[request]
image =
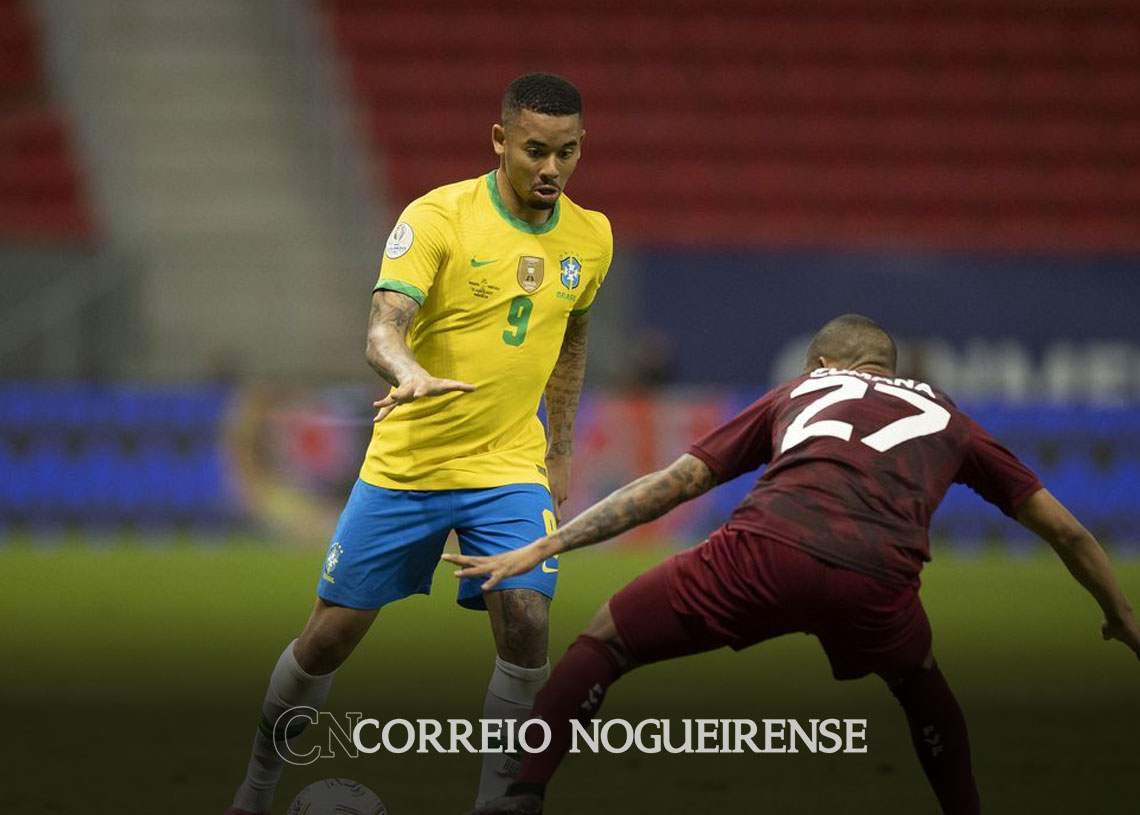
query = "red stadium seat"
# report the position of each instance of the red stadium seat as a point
(41, 193)
(1006, 123)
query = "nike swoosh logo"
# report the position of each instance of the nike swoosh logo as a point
(478, 263)
(546, 569)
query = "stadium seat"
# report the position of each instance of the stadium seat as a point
(99, 464)
(970, 123)
(42, 196)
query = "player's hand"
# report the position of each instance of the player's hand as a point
(500, 567)
(416, 387)
(1126, 629)
(558, 474)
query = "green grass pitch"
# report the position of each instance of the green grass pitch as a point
(132, 678)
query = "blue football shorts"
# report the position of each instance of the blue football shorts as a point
(387, 543)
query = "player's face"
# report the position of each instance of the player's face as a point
(538, 153)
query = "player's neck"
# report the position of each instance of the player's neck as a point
(516, 206)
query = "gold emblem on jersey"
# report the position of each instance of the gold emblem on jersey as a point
(530, 273)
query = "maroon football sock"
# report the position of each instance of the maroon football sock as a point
(574, 691)
(938, 731)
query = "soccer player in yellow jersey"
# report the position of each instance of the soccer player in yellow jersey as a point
(481, 308)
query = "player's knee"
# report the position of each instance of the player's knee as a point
(901, 681)
(532, 616)
(330, 635)
(603, 630)
(520, 621)
(318, 653)
(323, 649)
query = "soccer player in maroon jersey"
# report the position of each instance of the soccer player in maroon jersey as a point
(830, 541)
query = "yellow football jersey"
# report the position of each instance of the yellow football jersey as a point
(495, 294)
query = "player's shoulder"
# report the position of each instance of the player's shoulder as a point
(593, 221)
(448, 200)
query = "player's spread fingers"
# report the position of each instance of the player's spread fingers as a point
(470, 566)
(458, 560)
(471, 571)
(455, 385)
(384, 411)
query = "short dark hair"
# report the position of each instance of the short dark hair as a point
(852, 339)
(541, 93)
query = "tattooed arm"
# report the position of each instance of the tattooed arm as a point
(562, 392)
(388, 354)
(638, 502)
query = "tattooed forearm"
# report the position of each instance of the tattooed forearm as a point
(387, 350)
(638, 502)
(565, 385)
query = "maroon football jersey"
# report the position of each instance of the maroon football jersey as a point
(857, 465)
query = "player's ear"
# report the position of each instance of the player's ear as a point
(498, 139)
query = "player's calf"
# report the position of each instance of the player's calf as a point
(519, 624)
(938, 733)
(297, 681)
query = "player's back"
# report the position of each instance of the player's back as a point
(857, 465)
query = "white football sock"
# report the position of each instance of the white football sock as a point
(510, 695)
(289, 686)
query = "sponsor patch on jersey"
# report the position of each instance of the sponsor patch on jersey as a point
(530, 272)
(400, 241)
(571, 272)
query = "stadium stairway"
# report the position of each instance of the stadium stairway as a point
(203, 143)
(984, 123)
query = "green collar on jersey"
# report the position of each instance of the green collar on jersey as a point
(519, 223)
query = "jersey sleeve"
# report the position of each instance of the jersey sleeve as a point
(741, 444)
(417, 249)
(995, 473)
(607, 239)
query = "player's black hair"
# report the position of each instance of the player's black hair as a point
(541, 93)
(851, 340)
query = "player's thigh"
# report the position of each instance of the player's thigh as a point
(876, 628)
(647, 621)
(503, 519)
(386, 546)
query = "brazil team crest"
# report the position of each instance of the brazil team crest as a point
(335, 551)
(530, 273)
(571, 272)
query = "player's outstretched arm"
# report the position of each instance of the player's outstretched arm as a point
(562, 392)
(1086, 560)
(638, 502)
(388, 354)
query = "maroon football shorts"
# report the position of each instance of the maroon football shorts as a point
(739, 588)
